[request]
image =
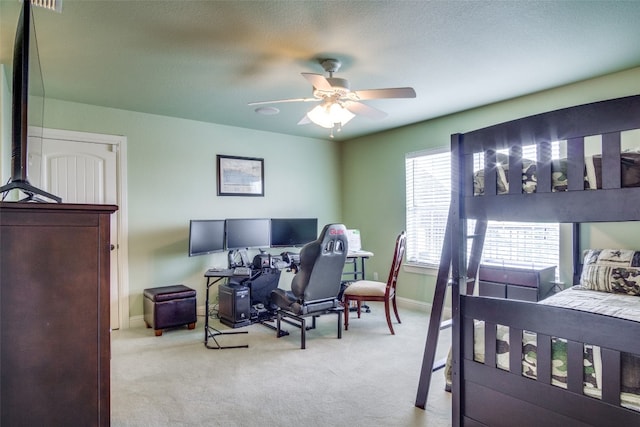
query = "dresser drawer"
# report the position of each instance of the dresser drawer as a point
(515, 276)
(490, 289)
(522, 293)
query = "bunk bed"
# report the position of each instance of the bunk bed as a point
(493, 387)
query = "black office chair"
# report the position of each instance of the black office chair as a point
(316, 285)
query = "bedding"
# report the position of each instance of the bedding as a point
(578, 298)
(611, 270)
(630, 174)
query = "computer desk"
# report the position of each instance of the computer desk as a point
(355, 273)
(352, 258)
(214, 276)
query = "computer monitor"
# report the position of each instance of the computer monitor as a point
(248, 233)
(291, 232)
(206, 236)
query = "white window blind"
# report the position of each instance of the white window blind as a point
(428, 188)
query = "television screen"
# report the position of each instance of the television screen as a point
(27, 82)
(290, 232)
(248, 233)
(206, 236)
(27, 109)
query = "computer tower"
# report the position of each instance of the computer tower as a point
(234, 305)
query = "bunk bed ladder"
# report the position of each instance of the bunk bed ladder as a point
(429, 364)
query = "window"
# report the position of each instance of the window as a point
(428, 194)
(428, 188)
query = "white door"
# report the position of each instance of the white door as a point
(85, 172)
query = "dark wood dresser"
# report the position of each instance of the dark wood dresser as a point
(54, 314)
(526, 283)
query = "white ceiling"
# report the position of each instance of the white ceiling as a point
(205, 60)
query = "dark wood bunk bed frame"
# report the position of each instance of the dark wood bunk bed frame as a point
(482, 393)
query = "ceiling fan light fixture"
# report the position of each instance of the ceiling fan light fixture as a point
(339, 114)
(320, 116)
(55, 5)
(329, 115)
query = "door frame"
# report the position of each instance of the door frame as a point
(120, 144)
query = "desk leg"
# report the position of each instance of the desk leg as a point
(364, 306)
(213, 333)
(206, 313)
(358, 274)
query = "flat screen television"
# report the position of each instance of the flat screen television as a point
(245, 233)
(292, 232)
(27, 105)
(206, 236)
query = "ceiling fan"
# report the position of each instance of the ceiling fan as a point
(338, 103)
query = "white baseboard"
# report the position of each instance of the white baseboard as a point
(413, 304)
(137, 322)
(421, 306)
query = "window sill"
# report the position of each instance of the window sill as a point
(428, 270)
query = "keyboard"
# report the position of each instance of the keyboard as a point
(219, 271)
(242, 271)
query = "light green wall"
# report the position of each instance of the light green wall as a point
(172, 179)
(5, 126)
(373, 196)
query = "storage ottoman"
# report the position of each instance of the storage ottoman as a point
(169, 306)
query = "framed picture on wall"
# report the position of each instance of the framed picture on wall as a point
(240, 176)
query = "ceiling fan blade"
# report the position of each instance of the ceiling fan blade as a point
(396, 92)
(317, 80)
(364, 110)
(284, 100)
(304, 120)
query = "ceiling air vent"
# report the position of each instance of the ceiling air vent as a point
(49, 4)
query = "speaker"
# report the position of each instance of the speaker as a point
(234, 305)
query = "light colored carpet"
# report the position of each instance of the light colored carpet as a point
(368, 378)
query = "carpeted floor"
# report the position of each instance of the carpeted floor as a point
(368, 378)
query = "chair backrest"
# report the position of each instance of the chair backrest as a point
(321, 265)
(398, 255)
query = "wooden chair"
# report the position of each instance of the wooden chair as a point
(369, 290)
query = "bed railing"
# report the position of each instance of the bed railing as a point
(607, 118)
(486, 379)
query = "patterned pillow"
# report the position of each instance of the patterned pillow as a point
(611, 270)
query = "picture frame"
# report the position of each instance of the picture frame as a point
(240, 176)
